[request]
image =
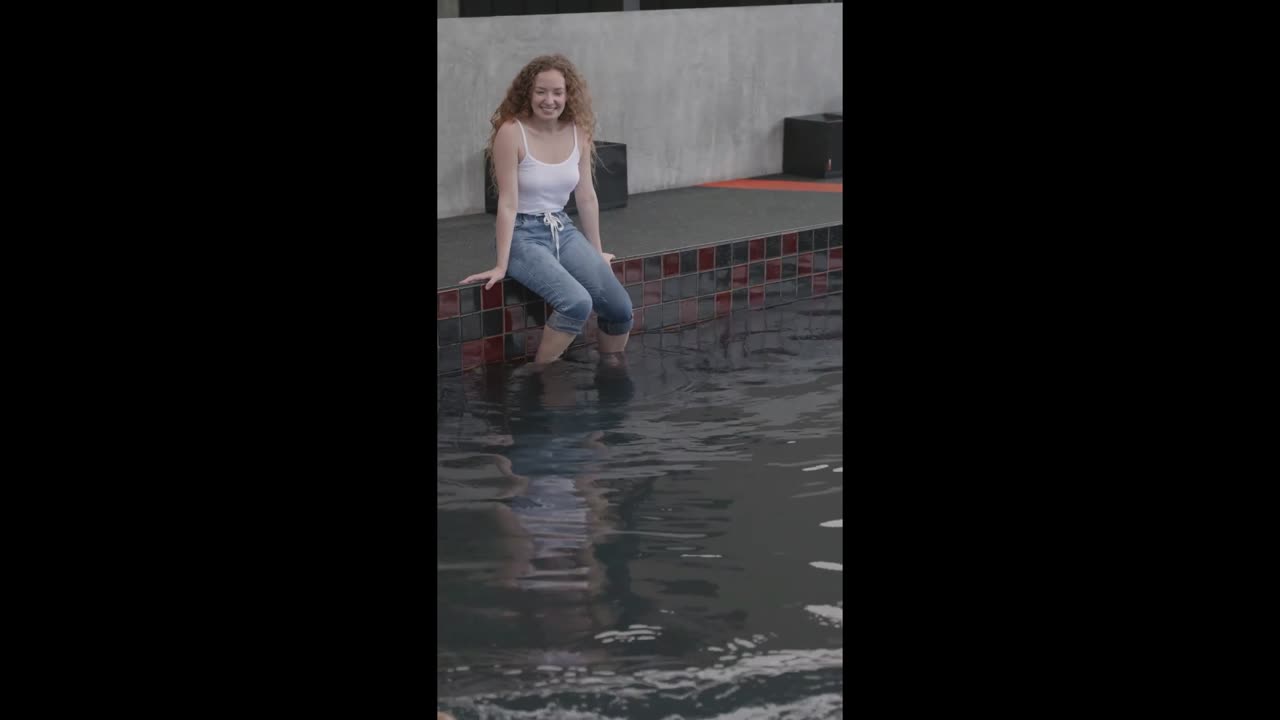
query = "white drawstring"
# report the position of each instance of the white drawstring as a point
(549, 219)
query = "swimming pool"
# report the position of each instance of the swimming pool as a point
(658, 541)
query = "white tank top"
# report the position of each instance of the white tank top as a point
(543, 187)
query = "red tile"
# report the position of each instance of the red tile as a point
(617, 271)
(447, 304)
(706, 259)
(652, 293)
(805, 266)
(670, 265)
(493, 349)
(820, 284)
(755, 250)
(637, 320)
(789, 243)
(688, 311)
(739, 276)
(773, 270)
(514, 320)
(756, 297)
(532, 339)
(491, 298)
(835, 259)
(634, 271)
(723, 303)
(472, 354)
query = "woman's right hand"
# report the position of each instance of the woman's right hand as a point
(493, 276)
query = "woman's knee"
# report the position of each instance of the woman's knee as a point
(617, 310)
(574, 303)
(615, 313)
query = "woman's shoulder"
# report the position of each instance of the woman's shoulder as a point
(508, 133)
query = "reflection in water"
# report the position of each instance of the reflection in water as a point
(643, 541)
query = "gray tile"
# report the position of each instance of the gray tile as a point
(772, 295)
(706, 307)
(706, 282)
(449, 359)
(688, 286)
(688, 261)
(671, 289)
(653, 267)
(468, 299)
(449, 332)
(492, 322)
(724, 279)
(804, 287)
(724, 255)
(670, 314)
(471, 328)
(513, 293)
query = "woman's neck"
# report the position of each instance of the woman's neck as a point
(546, 126)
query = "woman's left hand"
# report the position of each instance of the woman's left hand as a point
(608, 257)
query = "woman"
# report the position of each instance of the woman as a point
(541, 149)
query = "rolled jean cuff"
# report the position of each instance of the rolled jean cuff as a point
(563, 323)
(614, 328)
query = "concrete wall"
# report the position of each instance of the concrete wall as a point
(697, 95)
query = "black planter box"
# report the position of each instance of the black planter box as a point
(813, 145)
(611, 180)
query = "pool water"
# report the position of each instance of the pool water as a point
(659, 541)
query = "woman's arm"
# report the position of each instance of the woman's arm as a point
(585, 194)
(505, 159)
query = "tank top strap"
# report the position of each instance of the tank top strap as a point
(525, 138)
(575, 137)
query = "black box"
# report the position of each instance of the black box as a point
(611, 180)
(813, 145)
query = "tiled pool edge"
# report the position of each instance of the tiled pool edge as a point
(669, 289)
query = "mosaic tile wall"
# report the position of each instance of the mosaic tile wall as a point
(668, 290)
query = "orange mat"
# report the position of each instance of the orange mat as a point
(778, 185)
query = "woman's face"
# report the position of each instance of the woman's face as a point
(548, 95)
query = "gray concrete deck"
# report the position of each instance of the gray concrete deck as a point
(655, 222)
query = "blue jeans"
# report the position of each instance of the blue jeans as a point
(572, 278)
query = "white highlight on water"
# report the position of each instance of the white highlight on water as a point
(815, 467)
(839, 469)
(834, 523)
(830, 612)
(702, 556)
(821, 565)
